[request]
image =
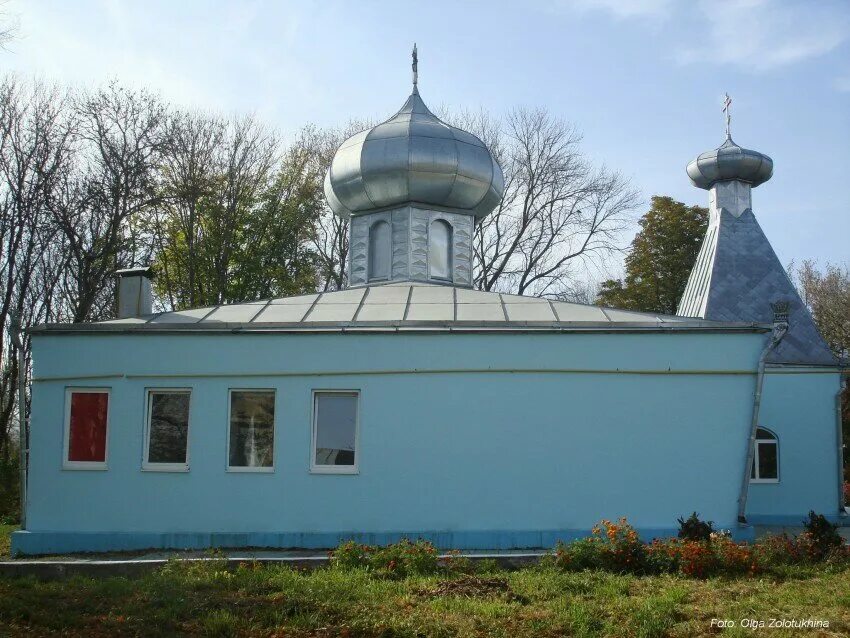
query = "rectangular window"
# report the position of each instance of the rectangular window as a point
(167, 439)
(251, 430)
(86, 423)
(335, 417)
(768, 465)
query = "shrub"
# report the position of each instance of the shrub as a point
(397, 560)
(585, 553)
(457, 564)
(696, 559)
(662, 556)
(10, 501)
(701, 559)
(774, 550)
(694, 529)
(822, 536)
(613, 546)
(847, 493)
(210, 572)
(350, 555)
(734, 558)
(838, 557)
(621, 548)
(405, 558)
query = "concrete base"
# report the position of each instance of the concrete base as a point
(62, 568)
(793, 520)
(34, 543)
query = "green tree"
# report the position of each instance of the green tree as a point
(661, 258)
(238, 215)
(827, 294)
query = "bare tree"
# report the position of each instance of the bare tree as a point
(827, 294)
(8, 26)
(331, 238)
(119, 135)
(558, 211)
(331, 242)
(35, 152)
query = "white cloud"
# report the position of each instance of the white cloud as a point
(764, 34)
(625, 8)
(755, 35)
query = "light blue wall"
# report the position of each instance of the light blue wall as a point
(801, 410)
(467, 453)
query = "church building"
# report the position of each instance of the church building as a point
(411, 405)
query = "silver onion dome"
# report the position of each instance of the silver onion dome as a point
(730, 161)
(413, 157)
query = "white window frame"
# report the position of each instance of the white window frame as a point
(84, 465)
(389, 252)
(164, 467)
(242, 468)
(335, 469)
(450, 247)
(774, 441)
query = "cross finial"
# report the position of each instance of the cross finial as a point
(415, 68)
(727, 108)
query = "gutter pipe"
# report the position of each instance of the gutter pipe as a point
(779, 330)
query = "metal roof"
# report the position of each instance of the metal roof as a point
(413, 157)
(730, 161)
(737, 277)
(402, 306)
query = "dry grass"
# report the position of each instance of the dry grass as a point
(205, 599)
(5, 538)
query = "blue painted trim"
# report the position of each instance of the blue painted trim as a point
(27, 542)
(792, 520)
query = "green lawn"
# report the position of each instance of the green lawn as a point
(5, 537)
(207, 600)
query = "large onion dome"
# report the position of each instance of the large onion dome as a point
(727, 162)
(413, 157)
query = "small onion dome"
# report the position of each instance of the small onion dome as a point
(413, 157)
(730, 161)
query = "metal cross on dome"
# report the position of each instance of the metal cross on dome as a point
(415, 67)
(727, 108)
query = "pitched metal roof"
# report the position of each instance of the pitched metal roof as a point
(402, 306)
(737, 276)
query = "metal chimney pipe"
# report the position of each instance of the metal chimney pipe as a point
(134, 292)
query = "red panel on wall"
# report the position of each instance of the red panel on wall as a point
(87, 440)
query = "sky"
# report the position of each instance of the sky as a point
(642, 79)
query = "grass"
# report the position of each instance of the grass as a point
(205, 599)
(5, 539)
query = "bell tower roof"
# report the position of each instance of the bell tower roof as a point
(737, 275)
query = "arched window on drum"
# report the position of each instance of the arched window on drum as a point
(440, 251)
(379, 251)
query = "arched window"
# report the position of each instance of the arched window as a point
(379, 251)
(766, 459)
(440, 251)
